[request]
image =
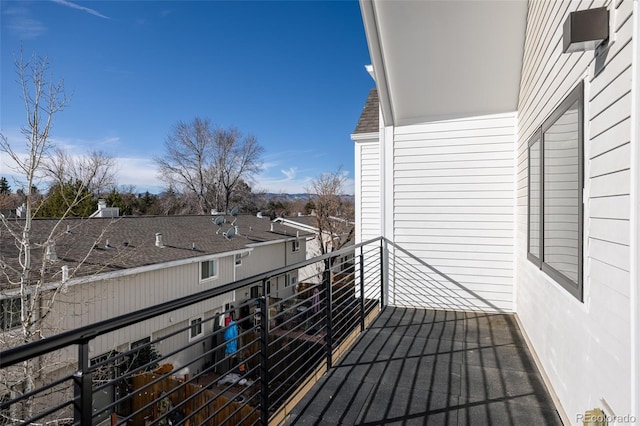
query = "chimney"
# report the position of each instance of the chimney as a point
(271, 226)
(159, 242)
(65, 273)
(102, 204)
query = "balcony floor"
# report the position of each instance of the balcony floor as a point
(416, 366)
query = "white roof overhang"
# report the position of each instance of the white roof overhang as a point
(437, 60)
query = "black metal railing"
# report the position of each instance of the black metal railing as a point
(243, 363)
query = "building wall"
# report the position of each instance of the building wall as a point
(583, 346)
(92, 302)
(367, 196)
(101, 300)
(266, 257)
(453, 195)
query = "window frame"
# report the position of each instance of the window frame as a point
(295, 245)
(10, 317)
(199, 320)
(537, 260)
(211, 277)
(576, 289)
(237, 259)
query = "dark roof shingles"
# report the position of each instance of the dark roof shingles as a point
(369, 119)
(131, 240)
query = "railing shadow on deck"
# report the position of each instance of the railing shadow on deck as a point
(462, 360)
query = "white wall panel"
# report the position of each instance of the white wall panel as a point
(581, 345)
(453, 209)
(368, 198)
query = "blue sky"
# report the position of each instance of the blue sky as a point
(291, 73)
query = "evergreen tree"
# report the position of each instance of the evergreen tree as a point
(68, 199)
(4, 186)
(115, 199)
(147, 204)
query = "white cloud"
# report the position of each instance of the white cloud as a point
(22, 25)
(291, 173)
(82, 8)
(139, 172)
(277, 185)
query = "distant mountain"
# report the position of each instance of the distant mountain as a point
(292, 197)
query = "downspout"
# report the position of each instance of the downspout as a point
(634, 291)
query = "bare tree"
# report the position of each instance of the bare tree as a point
(208, 163)
(26, 281)
(237, 160)
(188, 163)
(334, 212)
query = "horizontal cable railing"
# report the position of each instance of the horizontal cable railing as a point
(243, 363)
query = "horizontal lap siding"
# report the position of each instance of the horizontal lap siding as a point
(453, 209)
(369, 190)
(93, 302)
(572, 338)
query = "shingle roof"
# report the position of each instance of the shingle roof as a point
(369, 119)
(131, 240)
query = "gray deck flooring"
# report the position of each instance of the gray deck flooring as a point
(426, 367)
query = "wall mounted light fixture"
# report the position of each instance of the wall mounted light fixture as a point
(585, 30)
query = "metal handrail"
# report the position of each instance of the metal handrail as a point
(83, 334)
(294, 336)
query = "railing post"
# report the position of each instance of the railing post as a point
(381, 274)
(264, 355)
(328, 311)
(361, 289)
(83, 401)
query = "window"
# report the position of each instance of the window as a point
(144, 356)
(289, 280)
(9, 313)
(256, 291)
(195, 330)
(238, 259)
(555, 214)
(295, 245)
(208, 269)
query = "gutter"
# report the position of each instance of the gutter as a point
(130, 271)
(365, 136)
(372, 32)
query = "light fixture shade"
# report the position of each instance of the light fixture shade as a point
(585, 29)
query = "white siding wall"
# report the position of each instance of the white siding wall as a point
(583, 347)
(266, 257)
(453, 195)
(368, 191)
(88, 303)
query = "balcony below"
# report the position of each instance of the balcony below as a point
(417, 366)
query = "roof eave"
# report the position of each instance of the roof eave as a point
(377, 59)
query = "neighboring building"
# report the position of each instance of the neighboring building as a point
(307, 225)
(513, 169)
(136, 262)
